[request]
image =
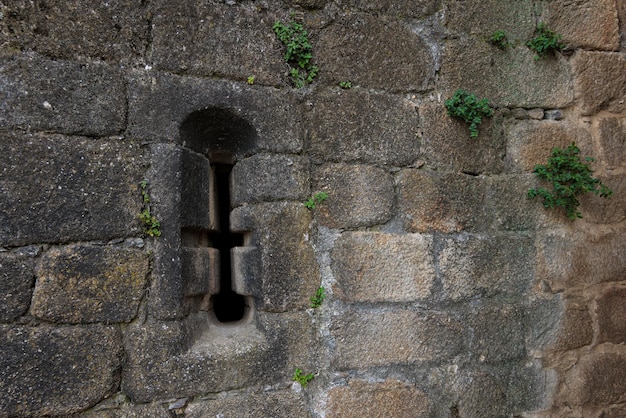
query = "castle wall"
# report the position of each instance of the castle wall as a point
(448, 292)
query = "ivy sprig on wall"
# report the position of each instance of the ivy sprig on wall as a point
(299, 52)
(570, 177)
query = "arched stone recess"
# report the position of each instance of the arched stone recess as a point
(233, 269)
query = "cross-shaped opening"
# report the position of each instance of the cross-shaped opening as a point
(228, 306)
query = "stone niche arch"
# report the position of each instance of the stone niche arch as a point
(182, 347)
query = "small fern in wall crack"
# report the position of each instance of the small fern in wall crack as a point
(570, 177)
(469, 108)
(299, 52)
(152, 226)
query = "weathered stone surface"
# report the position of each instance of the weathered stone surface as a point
(366, 339)
(598, 81)
(80, 284)
(400, 8)
(198, 357)
(498, 333)
(508, 207)
(114, 30)
(473, 265)
(598, 210)
(447, 145)
(198, 203)
(339, 132)
(390, 398)
(17, 279)
(482, 395)
(588, 24)
(266, 178)
(364, 50)
(286, 403)
(571, 260)
(599, 378)
(510, 78)
(575, 328)
(159, 104)
(482, 18)
(287, 272)
(610, 311)
(57, 189)
(432, 201)
(139, 411)
(57, 371)
(531, 142)
(358, 195)
(612, 136)
(621, 13)
(66, 97)
(361, 265)
(233, 40)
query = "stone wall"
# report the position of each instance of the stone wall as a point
(448, 292)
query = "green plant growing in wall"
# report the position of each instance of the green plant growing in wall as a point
(316, 301)
(151, 224)
(299, 52)
(250, 80)
(302, 378)
(570, 177)
(499, 39)
(315, 200)
(468, 107)
(545, 42)
(346, 85)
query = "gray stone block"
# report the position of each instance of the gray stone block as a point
(266, 178)
(482, 18)
(197, 195)
(200, 269)
(233, 40)
(59, 189)
(368, 339)
(159, 104)
(475, 265)
(365, 50)
(598, 81)
(57, 371)
(82, 284)
(361, 265)
(339, 132)
(400, 8)
(358, 195)
(498, 333)
(17, 279)
(66, 97)
(266, 404)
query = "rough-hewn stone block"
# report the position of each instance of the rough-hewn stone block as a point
(57, 371)
(432, 201)
(358, 195)
(498, 333)
(473, 265)
(339, 132)
(114, 30)
(59, 189)
(575, 329)
(509, 78)
(364, 50)
(400, 8)
(233, 40)
(130, 411)
(482, 18)
(612, 136)
(66, 97)
(610, 310)
(599, 82)
(197, 195)
(447, 145)
(598, 210)
(531, 142)
(390, 398)
(571, 260)
(481, 395)
(598, 378)
(364, 272)
(159, 104)
(588, 24)
(287, 266)
(366, 339)
(286, 403)
(90, 284)
(17, 279)
(266, 178)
